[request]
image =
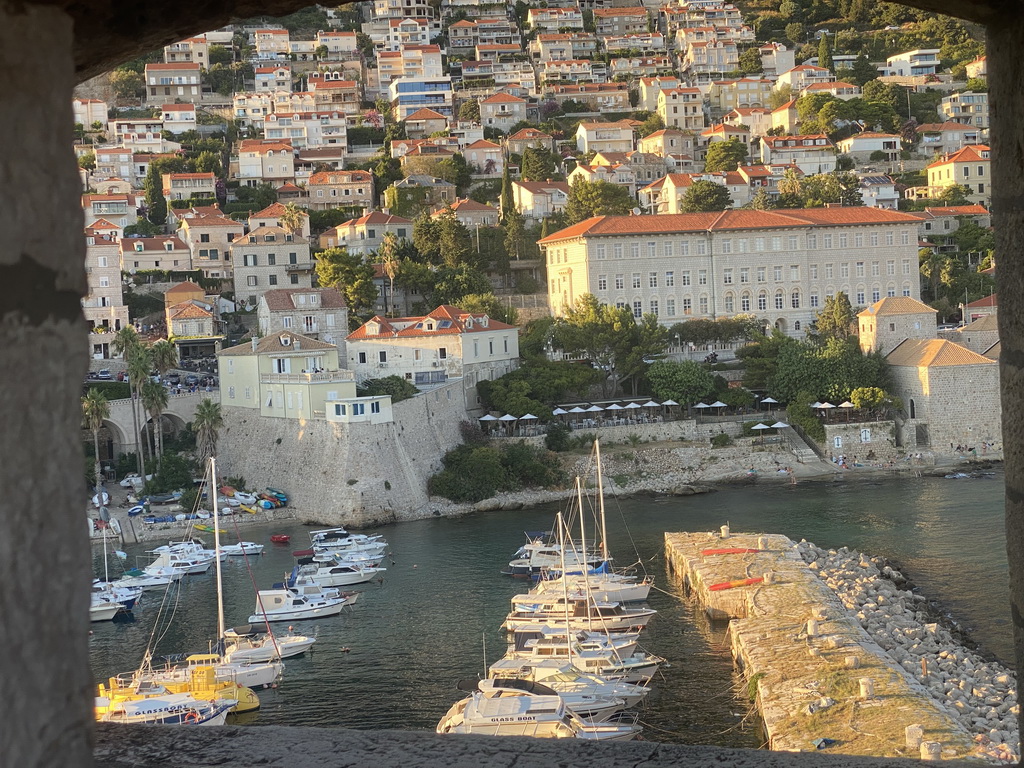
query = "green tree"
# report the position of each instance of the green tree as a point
(538, 165)
(505, 202)
(139, 366)
(515, 235)
(725, 155)
(87, 161)
(396, 386)
(836, 319)
(825, 52)
(126, 343)
(955, 194)
(686, 382)
(390, 261)
(453, 283)
(863, 71)
(972, 238)
(794, 32)
(126, 83)
(455, 170)
(762, 201)
(292, 218)
(596, 198)
(154, 400)
(470, 111)
(454, 243)
(750, 59)
(601, 333)
(143, 227)
(337, 268)
(220, 54)
(652, 124)
(206, 424)
(704, 196)
(164, 356)
(95, 410)
(208, 162)
(490, 305)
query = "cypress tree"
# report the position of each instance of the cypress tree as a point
(825, 53)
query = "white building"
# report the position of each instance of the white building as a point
(777, 265)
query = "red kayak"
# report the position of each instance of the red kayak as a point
(736, 583)
(730, 551)
(280, 538)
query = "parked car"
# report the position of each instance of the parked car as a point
(105, 375)
(191, 379)
(173, 378)
(134, 480)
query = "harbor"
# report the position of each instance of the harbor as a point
(837, 655)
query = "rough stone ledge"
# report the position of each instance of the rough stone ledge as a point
(236, 747)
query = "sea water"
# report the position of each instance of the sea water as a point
(392, 661)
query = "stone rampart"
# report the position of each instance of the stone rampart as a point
(347, 474)
(868, 442)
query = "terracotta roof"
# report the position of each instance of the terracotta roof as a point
(274, 209)
(934, 353)
(773, 140)
(187, 287)
(425, 114)
(829, 86)
(503, 98)
(210, 221)
(612, 12)
(166, 67)
(152, 243)
(986, 301)
(528, 133)
(957, 210)
(344, 177)
(727, 220)
(947, 126)
(244, 238)
(376, 217)
(272, 344)
(458, 321)
(468, 205)
(187, 310)
(543, 186)
(896, 305)
(969, 154)
(178, 108)
(984, 323)
(260, 145)
(281, 299)
(992, 353)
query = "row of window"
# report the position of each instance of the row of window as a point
(252, 259)
(358, 409)
(671, 249)
(747, 303)
(686, 277)
(252, 280)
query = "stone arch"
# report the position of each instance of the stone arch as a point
(782, 324)
(117, 439)
(913, 409)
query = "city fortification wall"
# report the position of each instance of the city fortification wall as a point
(347, 474)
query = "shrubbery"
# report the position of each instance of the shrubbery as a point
(473, 472)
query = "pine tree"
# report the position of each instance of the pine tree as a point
(825, 53)
(505, 202)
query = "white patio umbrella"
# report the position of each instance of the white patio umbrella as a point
(719, 404)
(700, 408)
(633, 405)
(769, 400)
(760, 427)
(815, 405)
(508, 418)
(826, 405)
(527, 416)
(614, 407)
(847, 405)
(576, 409)
(594, 409)
(559, 412)
(779, 425)
(651, 404)
(488, 417)
(670, 402)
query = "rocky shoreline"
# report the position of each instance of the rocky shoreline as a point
(980, 693)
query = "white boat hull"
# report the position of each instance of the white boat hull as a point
(285, 648)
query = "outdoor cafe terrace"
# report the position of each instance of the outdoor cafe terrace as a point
(622, 413)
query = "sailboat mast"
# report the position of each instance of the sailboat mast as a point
(565, 586)
(600, 501)
(216, 548)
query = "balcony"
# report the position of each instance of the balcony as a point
(304, 266)
(327, 377)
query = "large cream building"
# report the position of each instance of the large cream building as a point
(777, 265)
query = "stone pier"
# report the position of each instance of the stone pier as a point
(812, 670)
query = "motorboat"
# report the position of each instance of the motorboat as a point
(600, 584)
(182, 564)
(589, 706)
(280, 538)
(336, 540)
(576, 612)
(109, 592)
(165, 709)
(104, 611)
(528, 636)
(248, 644)
(255, 674)
(334, 573)
(609, 663)
(242, 548)
(563, 677)
(540, 554)
(282, 605)
(137, 579)
(544, 717)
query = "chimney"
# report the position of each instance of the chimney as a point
(255, 341)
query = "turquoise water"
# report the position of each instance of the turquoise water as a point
(435, 618)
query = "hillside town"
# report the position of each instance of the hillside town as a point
(322, 216)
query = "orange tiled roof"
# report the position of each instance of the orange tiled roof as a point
(934, 353)
(896, 305)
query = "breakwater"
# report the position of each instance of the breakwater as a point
(839, 656)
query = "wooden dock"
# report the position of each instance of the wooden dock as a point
(812, 671)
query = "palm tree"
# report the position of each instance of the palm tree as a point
(165, 356)
(154, 400)
(126, 342)
(292, 218)
(206, 424)
(95, 409)
(139, 366)
(388, 253)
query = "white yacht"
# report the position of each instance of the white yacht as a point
(282, 605)
(248, 644)
(564, 678)
(576, 612)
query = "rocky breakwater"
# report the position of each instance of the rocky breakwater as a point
(978, 693)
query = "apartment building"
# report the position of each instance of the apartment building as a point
(269, 257)
(777, 265)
